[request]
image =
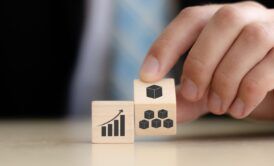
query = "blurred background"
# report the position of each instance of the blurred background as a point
(57, 56)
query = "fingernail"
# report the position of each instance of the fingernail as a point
(237, 108)
(214, 102)
(150, 66)
(189, 89)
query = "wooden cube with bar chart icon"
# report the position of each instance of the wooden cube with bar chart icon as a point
(155, 107)
(112, 122)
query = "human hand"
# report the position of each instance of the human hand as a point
(230, 66)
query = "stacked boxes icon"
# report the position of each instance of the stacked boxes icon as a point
(156, 122)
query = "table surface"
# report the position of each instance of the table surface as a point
(204, 142)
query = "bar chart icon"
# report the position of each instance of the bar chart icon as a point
(114, 126)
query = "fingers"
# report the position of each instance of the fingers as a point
(229, 51)
(212, 44)
(254, 88)
(253, 43)
(174, 41)
(189, 111)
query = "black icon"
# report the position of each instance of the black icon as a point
(154, 91)
(149, 114)
(143, 124)
(156, 122)
(168, 123)
(162, 114)
(107, 127)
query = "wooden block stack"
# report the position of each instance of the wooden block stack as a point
(153, 112)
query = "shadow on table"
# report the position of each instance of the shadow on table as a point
(226, 137)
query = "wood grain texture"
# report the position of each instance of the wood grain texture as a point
(144, 124)
(112, 122)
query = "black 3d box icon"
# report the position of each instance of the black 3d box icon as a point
(149, 114)
(143, 124)
(168, 123)
(156, 123)
(154, 91)
(162, 114)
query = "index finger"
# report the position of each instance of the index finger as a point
(177, 38)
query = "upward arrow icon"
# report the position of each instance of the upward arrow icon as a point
(120, 111)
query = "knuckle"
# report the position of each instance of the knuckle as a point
(256, 32)
(227, 16)
(194, 14)
(194, 67)
(253, 4)
(191, 12)
(161, 46)
(251, 87)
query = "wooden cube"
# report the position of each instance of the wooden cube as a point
(155, 107)
(112, 122)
